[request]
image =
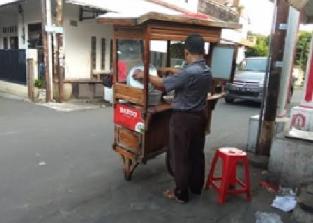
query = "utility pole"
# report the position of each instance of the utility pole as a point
(45, 44)
(268, 116)
(60, 49)
(50, 50)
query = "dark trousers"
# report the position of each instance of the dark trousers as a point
(185, 155)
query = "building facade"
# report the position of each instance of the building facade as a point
(21, 28)
(87, 46)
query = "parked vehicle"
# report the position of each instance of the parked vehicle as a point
(248, 81)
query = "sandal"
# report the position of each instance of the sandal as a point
(170, 194)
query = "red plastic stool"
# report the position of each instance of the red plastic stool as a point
(230, 157)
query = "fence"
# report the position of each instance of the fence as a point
(13, 66)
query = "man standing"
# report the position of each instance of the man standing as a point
(188, 120)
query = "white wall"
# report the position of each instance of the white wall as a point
(32, 14)
(238, 35)
(191, 5)
(77, 43)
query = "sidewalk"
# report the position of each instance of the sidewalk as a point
(71, 106)
(11, 96)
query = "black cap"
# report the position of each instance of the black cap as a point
(194, 43)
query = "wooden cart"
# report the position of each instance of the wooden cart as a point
(141, 131)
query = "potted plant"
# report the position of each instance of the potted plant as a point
(39, 89)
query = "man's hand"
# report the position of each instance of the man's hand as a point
(138, 75)
(167, 71)
(157, 82)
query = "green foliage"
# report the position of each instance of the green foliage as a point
(302, 49)
(39, 83)
(261, 47)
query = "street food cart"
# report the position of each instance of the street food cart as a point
(141, 127)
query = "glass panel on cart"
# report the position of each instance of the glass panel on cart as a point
(158, 54)
(177, 54)
(129, 55)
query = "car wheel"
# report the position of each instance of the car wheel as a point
(229, 100)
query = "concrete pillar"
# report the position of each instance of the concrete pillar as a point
(21, 28)
(289, 53)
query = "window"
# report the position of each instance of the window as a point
(14, 42)
(9, 29)
(254, 64)
(93, 61)
(5, 43)
(34, 36)
(103, 54)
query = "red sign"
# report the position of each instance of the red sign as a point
(298, 121)
(128, 117)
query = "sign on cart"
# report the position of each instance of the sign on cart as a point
(128, 117)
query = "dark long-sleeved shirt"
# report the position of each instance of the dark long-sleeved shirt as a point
(191, 86)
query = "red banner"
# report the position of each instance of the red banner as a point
(128, 117)
(309, 87)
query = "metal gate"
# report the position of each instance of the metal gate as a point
(13, 66)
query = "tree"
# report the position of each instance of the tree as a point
(302, 49)
(261, 47)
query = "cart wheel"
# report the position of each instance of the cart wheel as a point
(128, 176)
(129, 167)
(229, 100)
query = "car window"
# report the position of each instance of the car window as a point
(254, 65)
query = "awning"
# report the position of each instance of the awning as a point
(6, 2)
(127, 8)
(191, 19)
(134, 12)
(137, 8)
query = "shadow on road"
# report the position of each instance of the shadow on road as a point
(244, 103)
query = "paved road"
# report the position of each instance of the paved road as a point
(59, 167)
